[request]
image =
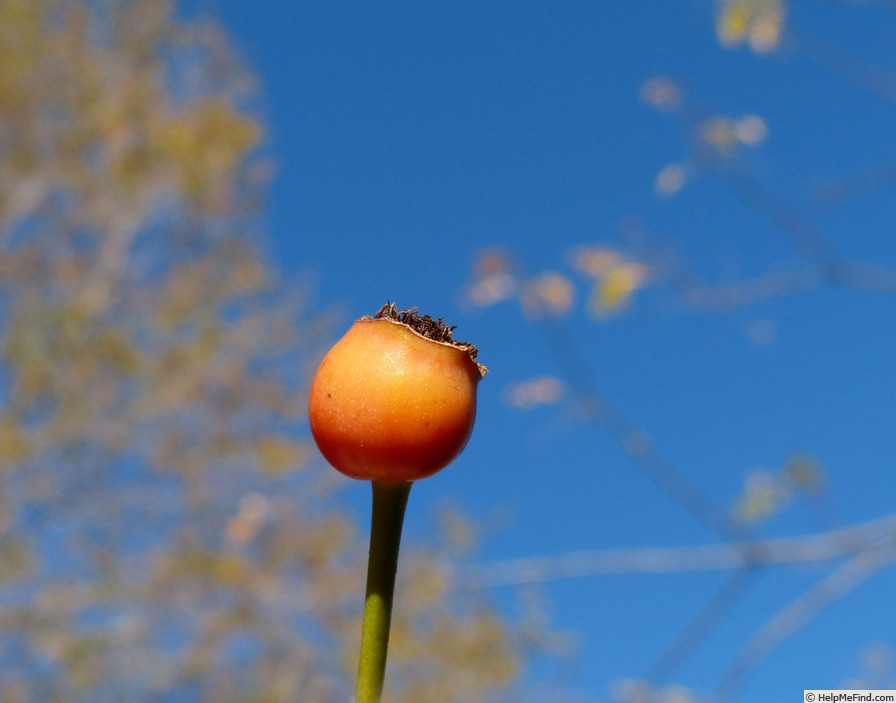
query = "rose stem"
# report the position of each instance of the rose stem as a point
(389, 501)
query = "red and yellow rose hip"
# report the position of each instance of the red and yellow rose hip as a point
(395, 398)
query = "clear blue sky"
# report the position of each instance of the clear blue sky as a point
(409, 136)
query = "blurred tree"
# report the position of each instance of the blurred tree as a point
(162, 534)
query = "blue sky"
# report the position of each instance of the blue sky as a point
(409, 137)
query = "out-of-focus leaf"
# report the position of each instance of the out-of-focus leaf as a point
(278, 455)
(756, 22)
(614, 290)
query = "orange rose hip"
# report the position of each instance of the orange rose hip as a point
(395, 398)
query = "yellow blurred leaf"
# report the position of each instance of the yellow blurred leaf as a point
(549, 293)
(594, 261)
(805, 472)
(661, 93)
(493, 282)
(14, 444)
(719, 132)
(764, 495)
(670, 180)
(615, 289)
(15, 560)
(278, 455)
(756, 22)
(544, 390)
(732, 22)
(751, 130)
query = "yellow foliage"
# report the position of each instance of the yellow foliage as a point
(614, 290)
(764, 495)
(211, 567)
(14, 445)
(493, 281)
(207, 141)
(594, 260)
(806, 473)
(15, 560)
(84, 657)
(720, 132)
(759, 502)
(725, 134)
(670, 180)
(768, 493)
(543, 390)
(278, 455)
(757, 22)
(661, 93)
(550, 293)
(142, 401)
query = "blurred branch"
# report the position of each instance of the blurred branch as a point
(630, 437)
(731, 590)
(750, 292)
(830, 266)
(871, 279)
(842, 190)
(782, 551)
(845, 64)
(791, 618)
(714, 145)
(801, 232)
(889, 5)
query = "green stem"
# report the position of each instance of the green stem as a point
(389, 501)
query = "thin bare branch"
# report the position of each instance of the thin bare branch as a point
(636, 443)
(820, 547)
(842, 190)
(756, 290)
(788, 219)
(845, 64)
(803, 610)
(711, 613)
